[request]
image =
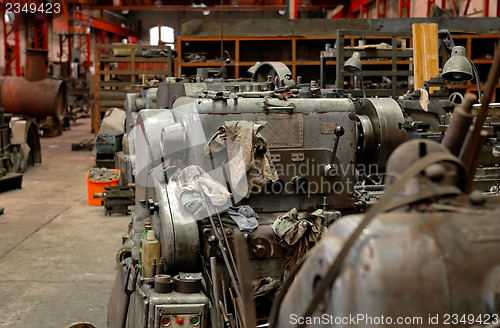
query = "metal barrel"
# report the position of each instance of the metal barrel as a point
(37, 99)
(459, 125)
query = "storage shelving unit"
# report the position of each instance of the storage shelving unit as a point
(119, 68)
(302, 55)
(386, 66)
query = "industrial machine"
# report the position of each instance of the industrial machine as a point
(226, 171)
(265, 166)
(19, 132)
(413, 264)
(49, 103)
(423, 256)
(19, 148)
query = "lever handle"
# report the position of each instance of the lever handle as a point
(219, 73)
(339, 132)
(258, 250)
(330, 171)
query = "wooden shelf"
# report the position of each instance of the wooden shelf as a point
(205, 64)
(286, 62)
(472, 87)
(482, 61)
(296, 52)
(115, 59)
(364, 62)
(115, 74)
(302, 54)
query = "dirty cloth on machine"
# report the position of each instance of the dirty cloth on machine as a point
(113, 122)
(245, 217)
(424, 99)
(266, 286)
(248, 167)
(191, 182)
(300, 231)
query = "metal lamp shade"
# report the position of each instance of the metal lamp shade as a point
(458, 67)
(353, 65)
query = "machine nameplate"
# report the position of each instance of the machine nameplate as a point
(283, 131)
(328, 128)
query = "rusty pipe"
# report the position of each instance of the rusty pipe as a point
(459, 125)
(38, 99)
(36, 65)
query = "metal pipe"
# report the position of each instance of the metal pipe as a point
(153, 269)
(161, 266)
(476, 76)
(231, 270)
(459, 125)
(490, 105)
(215, 287)
(38, 99)
(370, 188)
(36, 65)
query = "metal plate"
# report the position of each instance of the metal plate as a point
(283, 131)
(275, 158)
(298, 157)
(328, 128)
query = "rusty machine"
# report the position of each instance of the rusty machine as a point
(49, 102)
(21, 116)
(226, 171)
(423, 256)
(20, 141)
(19, 148)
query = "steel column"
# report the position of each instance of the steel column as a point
(467, 7)
(364, 11)
(12, 52)
(41, 33)
(69, 40)
(84, 44)
(402, 4)
(103, 39)
(105, 26)
(381, 8)
(70, 48)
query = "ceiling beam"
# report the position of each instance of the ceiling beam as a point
(103, 25)
(211, 8)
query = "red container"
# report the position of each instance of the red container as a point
(97, 187)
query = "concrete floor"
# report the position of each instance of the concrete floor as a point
(57, 254)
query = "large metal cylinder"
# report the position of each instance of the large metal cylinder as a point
(459, 125)
(36, 99)
(36, 65)
(381, 131)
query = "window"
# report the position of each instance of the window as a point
(167, 35)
